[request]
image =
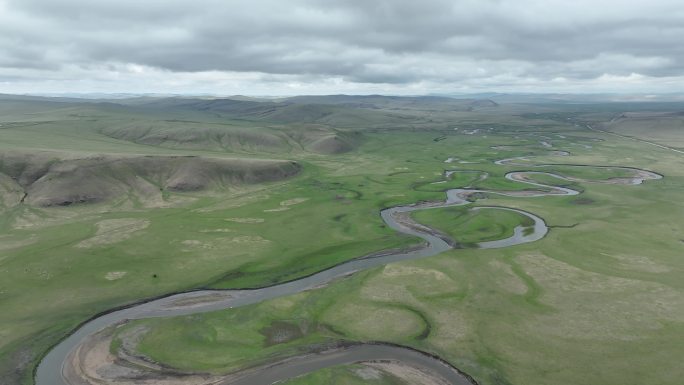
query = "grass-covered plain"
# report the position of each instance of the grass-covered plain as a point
(582, 305)
(596, 301)
(469, 227)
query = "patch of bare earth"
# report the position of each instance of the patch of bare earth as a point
(408, 374)
(114, 275)
(285, 205)
(92, 363)
(245, 220)
(114, 230)
(199, 300)
(223, 242)
(293, 201)
(8, 244)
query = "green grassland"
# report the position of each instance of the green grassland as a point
(596, 301)
(462, 178)
(551, 180)
(469, 227)
(589, 173)
(591, 303)
(493, 312)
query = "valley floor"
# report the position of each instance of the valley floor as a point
(598, 300)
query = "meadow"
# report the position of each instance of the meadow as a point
(598, 300)
(590, 303)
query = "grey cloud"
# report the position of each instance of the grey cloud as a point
(380, 41)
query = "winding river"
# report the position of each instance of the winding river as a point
(54, 366)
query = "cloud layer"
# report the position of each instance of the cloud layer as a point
(307, 46)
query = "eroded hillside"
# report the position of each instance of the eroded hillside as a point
(46, 179)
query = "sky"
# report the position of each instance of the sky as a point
(287, 47)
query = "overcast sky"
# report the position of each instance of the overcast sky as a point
(277, 47)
